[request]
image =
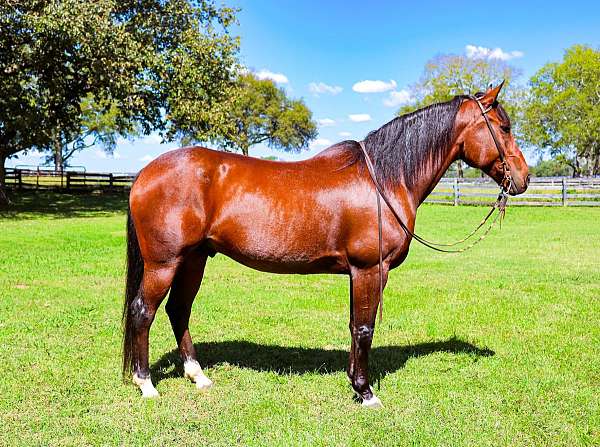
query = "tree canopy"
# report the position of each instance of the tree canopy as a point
(156, 65)
(448, 75)
(262, 113)
(562, 114)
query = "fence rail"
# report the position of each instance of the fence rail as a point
(67, 180)
(542, 191)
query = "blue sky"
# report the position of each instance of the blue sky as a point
(323, 51)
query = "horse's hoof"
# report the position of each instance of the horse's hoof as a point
(373, 402)
(146, 387)
(149, 393)
(193, 371)
(202, 382)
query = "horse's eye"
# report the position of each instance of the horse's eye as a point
(505, 129)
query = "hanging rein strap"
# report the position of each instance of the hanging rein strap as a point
(499, 204)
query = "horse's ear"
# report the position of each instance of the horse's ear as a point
(491, 95)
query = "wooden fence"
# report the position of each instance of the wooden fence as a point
(543, 191)
(67, 180)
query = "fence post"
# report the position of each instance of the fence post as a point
(110, 180)
(20, 175)
(564, 192)
(68, 180)
(455, 191)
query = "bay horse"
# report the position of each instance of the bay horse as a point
(313, 216)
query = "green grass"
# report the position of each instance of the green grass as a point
(497, 346)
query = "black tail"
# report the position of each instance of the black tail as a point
(135, 271)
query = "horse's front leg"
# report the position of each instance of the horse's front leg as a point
(350, 370)
(365, 299)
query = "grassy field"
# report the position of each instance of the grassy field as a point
(498, 346)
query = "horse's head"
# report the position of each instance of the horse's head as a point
(500, 158)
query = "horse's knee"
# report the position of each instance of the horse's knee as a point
(364, 334)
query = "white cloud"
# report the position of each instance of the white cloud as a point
(345, 134)
(320, 142)
(279, 78)
(35, 153)
(321, 87)
(478, 52)
(326, 122)
(360, 117)
(369, 86)
(147, 158)
(153, 138)
(106, 155)
(397, 98)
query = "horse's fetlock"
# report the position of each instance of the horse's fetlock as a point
(360, 384)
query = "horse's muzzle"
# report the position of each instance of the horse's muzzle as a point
(519, 186)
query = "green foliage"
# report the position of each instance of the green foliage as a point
(163, 65)
(262, 112)
(448, 75)
(276, 346)
(562, 115)
(556, 167)
(100, 124)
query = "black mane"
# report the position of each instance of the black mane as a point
(403, 148)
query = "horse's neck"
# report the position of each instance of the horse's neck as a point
(428, 182)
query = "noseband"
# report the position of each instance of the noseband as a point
(499, 204)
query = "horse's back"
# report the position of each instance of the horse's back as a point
(274, 216)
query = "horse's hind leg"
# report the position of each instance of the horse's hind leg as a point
(179, 306)
(155, 284)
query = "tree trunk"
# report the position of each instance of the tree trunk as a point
(58, 163)
(576, 168)
(4, 201)
(593, 161)
(58, 156)
(245, 150)
(459, 169)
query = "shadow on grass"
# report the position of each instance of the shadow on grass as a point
(34, 204)
(296, 360)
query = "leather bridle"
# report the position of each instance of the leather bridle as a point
(507, 181)
(499, 204)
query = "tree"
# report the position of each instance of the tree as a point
(99, 126)
(164, 65)
(554, 167)
(262, 112)
(562, 115)
(449, 75)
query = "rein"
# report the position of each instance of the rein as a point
(499, 204)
